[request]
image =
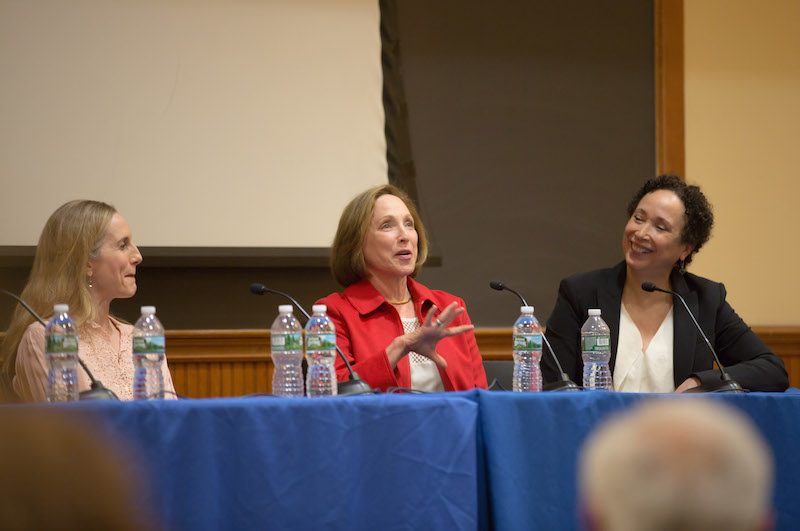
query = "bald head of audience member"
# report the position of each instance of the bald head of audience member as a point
(680, 464)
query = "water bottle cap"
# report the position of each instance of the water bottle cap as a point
(526, 309)
(148, 310)
(60, 308)
(285, 308)
(319, 308)
(594, 311)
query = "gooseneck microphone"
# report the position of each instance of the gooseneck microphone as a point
(565, 384)
(97, 391)
(728, 384)
(355, 385)
(500, 286)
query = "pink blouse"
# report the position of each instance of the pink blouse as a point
(113, 367)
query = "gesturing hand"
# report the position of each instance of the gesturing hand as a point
(423, 340)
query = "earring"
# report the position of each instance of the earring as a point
(682, 268)
(90, 283)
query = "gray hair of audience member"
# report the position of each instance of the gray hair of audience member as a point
(677, 464)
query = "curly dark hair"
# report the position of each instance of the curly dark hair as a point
(699, 215)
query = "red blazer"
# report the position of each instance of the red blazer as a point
(366, 324)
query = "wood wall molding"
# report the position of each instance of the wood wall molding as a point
(211, 363)
(186, 346)
(237, 362)
(669, 91)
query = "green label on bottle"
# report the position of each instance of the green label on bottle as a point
(596, 343)
(528, 342)
(61, 343)
(320, 341)
(149, 345)
(285, 342)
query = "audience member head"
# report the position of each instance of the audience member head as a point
(347, 252)
(677, 464)
(60, 473)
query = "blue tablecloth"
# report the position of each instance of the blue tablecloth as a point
(471, 460)
(532, 441)
(381, 462)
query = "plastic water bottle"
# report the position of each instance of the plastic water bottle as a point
(149, 346)
(596, 348)
(61, 350)
(527, 352)
(320, 353)
(286, 339)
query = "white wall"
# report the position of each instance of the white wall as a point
(206, 123)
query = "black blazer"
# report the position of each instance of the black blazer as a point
(746, 357)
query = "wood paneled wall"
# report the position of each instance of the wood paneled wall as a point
(785, 342)
(214, 363)
(206, 363)
(237, 362)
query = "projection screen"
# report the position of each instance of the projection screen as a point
(208, 123)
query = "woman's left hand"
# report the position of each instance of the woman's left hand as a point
(689, 383)
(423, 341)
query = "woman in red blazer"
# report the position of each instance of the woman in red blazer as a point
(394, 331)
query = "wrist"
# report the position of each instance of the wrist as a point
(396, 350)
(402, 344)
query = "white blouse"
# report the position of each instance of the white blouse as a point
(424, 373)
(639, 371)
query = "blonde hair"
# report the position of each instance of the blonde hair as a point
(347, 252)
(678, 463)
(72, 236)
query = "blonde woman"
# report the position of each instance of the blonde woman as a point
(85, 258)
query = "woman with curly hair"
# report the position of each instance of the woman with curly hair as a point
(655, 348)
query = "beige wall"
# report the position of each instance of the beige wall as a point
(742, 68)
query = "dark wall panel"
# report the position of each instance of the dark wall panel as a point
(531, 124)
(204, 297)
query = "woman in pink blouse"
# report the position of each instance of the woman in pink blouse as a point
(85, 258)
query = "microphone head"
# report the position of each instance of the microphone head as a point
(257, 288)
(496, 284)
(649, 286)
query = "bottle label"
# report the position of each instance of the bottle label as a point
(285, 342)
(149, 345)
(61, 343)
(528, 342)
(596, 343)
(320, 341)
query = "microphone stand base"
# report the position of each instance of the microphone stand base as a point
(354, 387)
(562, 385)
(725, 386)
(98, 393)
